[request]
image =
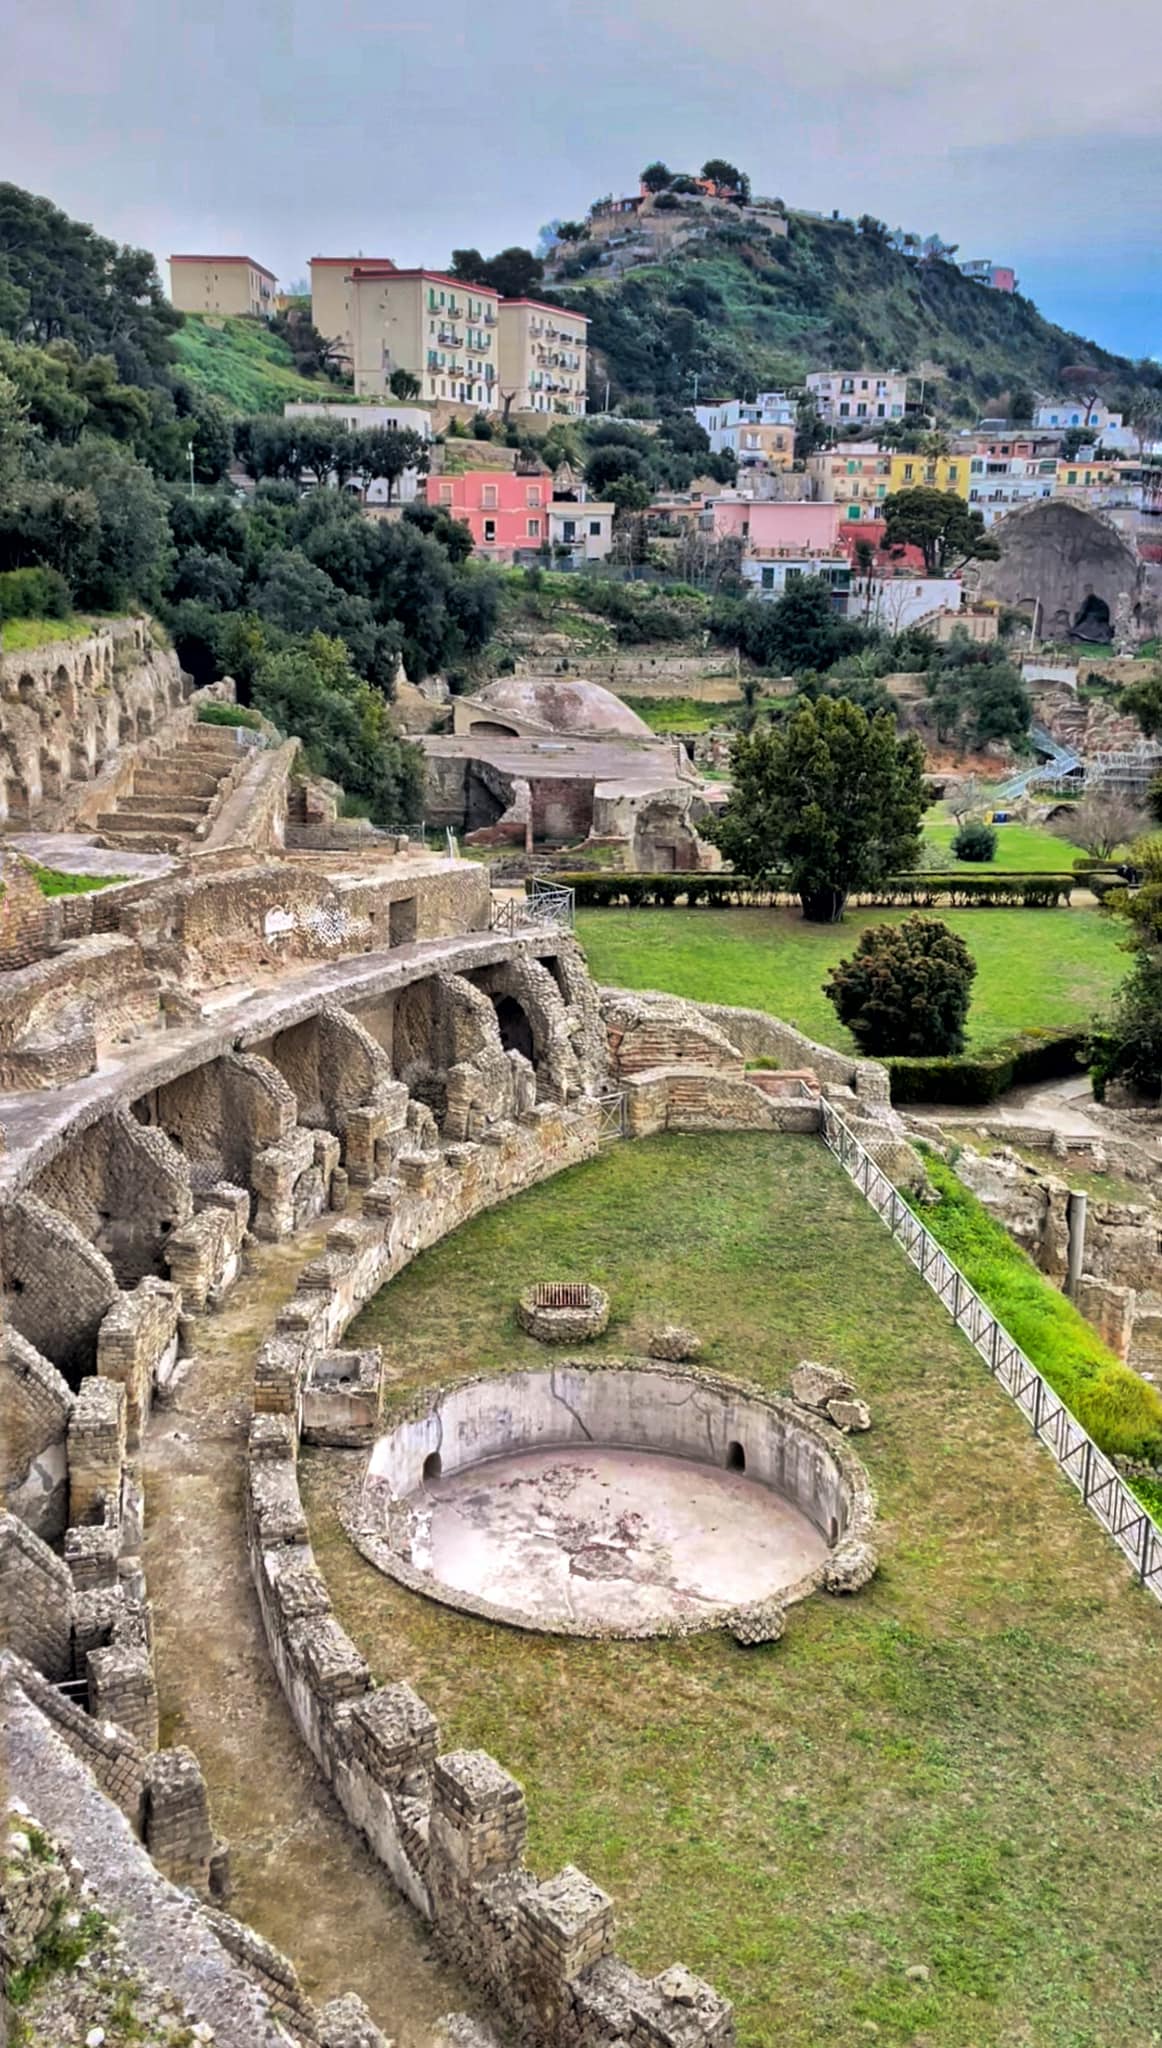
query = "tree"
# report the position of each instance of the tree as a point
(1073, 441)
(800, 630)
(1143, 701)
(513, 272)
(831, 795)
(68, 283)
(386, 452)
(1100, 822)
(1129, 1046)
(972, 701)
(126, 553)
(403, 385)
(965, 797)
(905, 990)
(1020, 408)
(1145, 416)
(312, 689)
(941, 525)
(657, 177)
(975, 841)
(717, 171)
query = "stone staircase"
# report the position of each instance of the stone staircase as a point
(176, 796)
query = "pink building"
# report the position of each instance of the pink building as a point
(772, 527)
(506, 514)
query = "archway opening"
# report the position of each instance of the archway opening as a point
(433, 1465)
(1093, 620)
(516, 1033)
(735, 1458)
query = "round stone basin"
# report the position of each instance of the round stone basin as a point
(631, 1500)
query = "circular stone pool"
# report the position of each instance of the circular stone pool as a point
(628, 1500)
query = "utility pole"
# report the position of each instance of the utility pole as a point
(605, 407)
(190, 453)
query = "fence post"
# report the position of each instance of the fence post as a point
(1086, 1471)
(1038, 1390)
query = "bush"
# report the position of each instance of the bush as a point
(975, 841)
(980, 1077)
(228, 714)
(33, 594)
(916, 891)
(1122, 1413)
(905, 989)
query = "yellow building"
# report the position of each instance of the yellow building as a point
(763, 446)
(856, 476)
(331, 295)
(930, 472)
(442, 331)
(222, 284)
(543, 355)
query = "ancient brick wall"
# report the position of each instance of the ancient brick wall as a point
(35, 1404)
(58, 1287)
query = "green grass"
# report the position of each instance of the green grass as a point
(1036, 969)
(960, 1768)
(52, 882)
(228, 714)
(19, 634)
(1021, 849)
(1121, 1411)
(241, 361)
(680, 714)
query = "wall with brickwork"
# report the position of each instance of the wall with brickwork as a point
(57, 1286)
(34, 1406)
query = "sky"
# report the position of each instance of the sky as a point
(1024, 132)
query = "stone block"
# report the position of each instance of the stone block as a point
(178, 1834)
(122, 1688)
(346, 2023)
(479, 1821)
(567, 1924)
(91, 1554)
(394, 1732)
(137, 1345)
(341, 1398)
(334, 1668)
(848, 1415)
(276, 1510)
(96, 1447)
(272, 1439)
(813, 1386)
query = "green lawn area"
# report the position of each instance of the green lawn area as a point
(681, 714)
(1021, 849)
(1045, 969)
(959, 1769)
(240, 360)
(17, 634)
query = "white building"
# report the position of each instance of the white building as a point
(583, 525)
(999, 483)
(413, 419)
(1109, 429)
(858, 394)
(724, 422)
(769, 579)
(894, 602)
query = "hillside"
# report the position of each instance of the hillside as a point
(243, 363)
(742, 308)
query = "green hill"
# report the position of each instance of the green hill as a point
(242, 362)
(741, 308)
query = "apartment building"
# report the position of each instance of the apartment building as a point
(998, 277)
(543, 357)
(222, 284)
(506, 514)
(759, 434)
(331, 295)
(584, 527)
(930, 472)
(998, 483)
(406, 418)
(858, 394)
(856, 477)
(442, 331)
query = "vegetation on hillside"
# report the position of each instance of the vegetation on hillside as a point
(742, 309)
(245, 363)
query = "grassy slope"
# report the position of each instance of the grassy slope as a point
(742, 309)
(1046, 968)
(1021, 849)
(241, 361)
(16, 634)
(958, 1769)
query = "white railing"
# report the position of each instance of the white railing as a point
(1100, 1485)
(548, 903)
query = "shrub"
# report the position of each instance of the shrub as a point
(981, 1077)
(975, 841)
(228, 714)
(914, 891)
(1122, 1413)
(33, 594)
(905, 989)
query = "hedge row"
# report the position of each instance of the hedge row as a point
(1122, 1412)
(920, 891)
(981, 1077)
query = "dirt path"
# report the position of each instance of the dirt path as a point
(302, 1875)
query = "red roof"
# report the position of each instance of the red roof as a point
(542, 307)
(228, 259)
(434, 276)
(349, 262)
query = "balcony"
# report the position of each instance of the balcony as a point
(448, 337)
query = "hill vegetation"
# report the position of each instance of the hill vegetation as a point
(742, 308)
(244, 363)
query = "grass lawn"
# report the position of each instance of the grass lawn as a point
(1047, 969)
(241, 360)
(680, 714)
(1021, 849)
(960, 1769)
(17, 634)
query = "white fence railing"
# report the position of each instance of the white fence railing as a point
(548, 903)
(1101, 1487)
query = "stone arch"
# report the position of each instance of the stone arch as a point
(87, 672)
(1093, 622)
(515, 1026)
(52, 777)
(26, 688)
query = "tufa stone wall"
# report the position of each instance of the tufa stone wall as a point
(35, 1404)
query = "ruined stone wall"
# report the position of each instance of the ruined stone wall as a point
(1054, 556)
(57, 1285)
(67, 709)
(126, 1187)
(35, 1403)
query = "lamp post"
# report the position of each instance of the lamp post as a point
(190, 453)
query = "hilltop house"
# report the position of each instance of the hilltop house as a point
(858, 394)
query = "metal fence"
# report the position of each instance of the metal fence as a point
(1101, 1487)
(547, 903)
(610, 1117)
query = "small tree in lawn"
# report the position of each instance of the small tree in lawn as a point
(975, 841)
(830, 794)
(905, 989)
(1100, 822)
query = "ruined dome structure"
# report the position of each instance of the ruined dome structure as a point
(1075, 575)
(520, 707)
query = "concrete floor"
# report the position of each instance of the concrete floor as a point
(613, 1537)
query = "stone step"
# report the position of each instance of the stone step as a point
(183, 782)
(152, 800)
(147, 821)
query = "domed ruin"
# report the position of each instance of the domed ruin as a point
(516, 707)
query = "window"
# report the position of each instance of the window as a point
(595, 529)
(534, 529)
(853, 512)
(568, 529)
(489, 529)
(767, 579)
(953, 472)
(488, 497)
(1072, 478)
(908, 472)
(533, 495)
(445, 494)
